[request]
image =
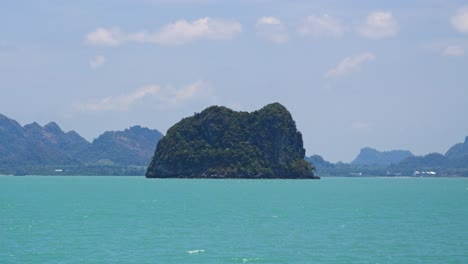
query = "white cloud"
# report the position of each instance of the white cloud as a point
(350, 64)
(197, 90)
(379, 24)
(460, 20)
(454, 51)
(104, 37)
(160, 96)
(321, 26)
(272, 29)
(177, 33)
(268, 21)
(182, 31)
(97, 61)
(118, 103)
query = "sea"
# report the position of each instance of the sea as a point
(137, 220)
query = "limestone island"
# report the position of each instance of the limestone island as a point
(222, 143)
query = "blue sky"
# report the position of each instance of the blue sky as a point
(384, 74)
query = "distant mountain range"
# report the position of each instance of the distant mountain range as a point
(47, 150)
(455, 157)
(27, 148)
(372, 162)
(370, 156)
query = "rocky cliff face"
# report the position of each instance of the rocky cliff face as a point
(222, 143)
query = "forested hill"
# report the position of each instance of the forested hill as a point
(222, 143)
(372, 162)
(36, 149)
(133, 146)
(370, 156)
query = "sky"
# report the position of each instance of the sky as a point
(381, 74)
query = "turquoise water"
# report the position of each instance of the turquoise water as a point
(135, 220)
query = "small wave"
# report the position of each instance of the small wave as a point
(246, 260)
(196, 251)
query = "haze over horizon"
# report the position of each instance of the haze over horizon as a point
(387, 75)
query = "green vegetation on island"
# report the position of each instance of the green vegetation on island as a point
(240, 144)
(222, 143)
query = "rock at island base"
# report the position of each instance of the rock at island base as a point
(222, 143)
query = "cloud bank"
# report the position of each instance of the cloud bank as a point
(177, 33)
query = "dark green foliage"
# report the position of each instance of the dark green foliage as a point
(221, 143)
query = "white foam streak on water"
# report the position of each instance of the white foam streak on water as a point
(246, 260)
(196, 251)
